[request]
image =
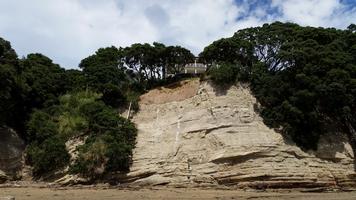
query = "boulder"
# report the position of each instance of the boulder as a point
(70, 179)
(153, 180)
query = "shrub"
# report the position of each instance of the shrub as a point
(91, 108)
(91, 159)
(70, 125)
(133, 98)
(40, 127)
(113, 96)
(73, 101)
(102, 155)
(49, 156)
(119, 156)
(109, 148)
(224, 74)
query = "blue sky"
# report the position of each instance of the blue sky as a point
(70, 30)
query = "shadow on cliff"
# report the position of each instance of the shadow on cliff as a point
(330, 146)
(172, 85)
(220, 90)
(12, 147)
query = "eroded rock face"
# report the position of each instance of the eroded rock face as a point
(11, 150)
(3, 177)
(216, 138)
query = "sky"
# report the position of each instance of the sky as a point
(69, 30)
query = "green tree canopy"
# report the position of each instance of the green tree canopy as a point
(176, 57)
(304, 77)
(11, 90)
(104, 67)
(45, 80)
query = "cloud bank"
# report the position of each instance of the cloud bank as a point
(70, 30)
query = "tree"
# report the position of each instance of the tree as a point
(75, 80)
(304, 77)
(45, 80)
(223, 50)
(12, 87)
(7, 82)
(104, 67)
(352, 28)
(224, 74)
(8, 55)
(142, 60)
(104, 72)
(149, 64)
(176, 57)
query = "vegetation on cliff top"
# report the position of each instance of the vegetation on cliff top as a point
(303, 77)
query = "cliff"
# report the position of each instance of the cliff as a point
(193, 133)
(11, 158)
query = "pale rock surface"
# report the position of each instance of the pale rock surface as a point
(153, 180)
(70, 179)
(72, 145)
(214, 137)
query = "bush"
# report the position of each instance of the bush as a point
(113, 96)
(70, 125)
(133, 98)
(90, 109)
(119, 156)
(49, 156)
(91, 159)
(224, 74)
(103, 155)
(103, 120)
(40, 127)
(109, 148)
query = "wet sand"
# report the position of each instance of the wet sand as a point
(163, 193)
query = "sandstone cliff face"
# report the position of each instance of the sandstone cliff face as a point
(214, 137)
(12, 147)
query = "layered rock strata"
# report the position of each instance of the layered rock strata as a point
(215, 137)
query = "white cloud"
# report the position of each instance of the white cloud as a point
(325, 13)
(70, 30)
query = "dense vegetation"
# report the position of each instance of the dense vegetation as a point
(49, 105)
(109, 143)
(303, 77)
